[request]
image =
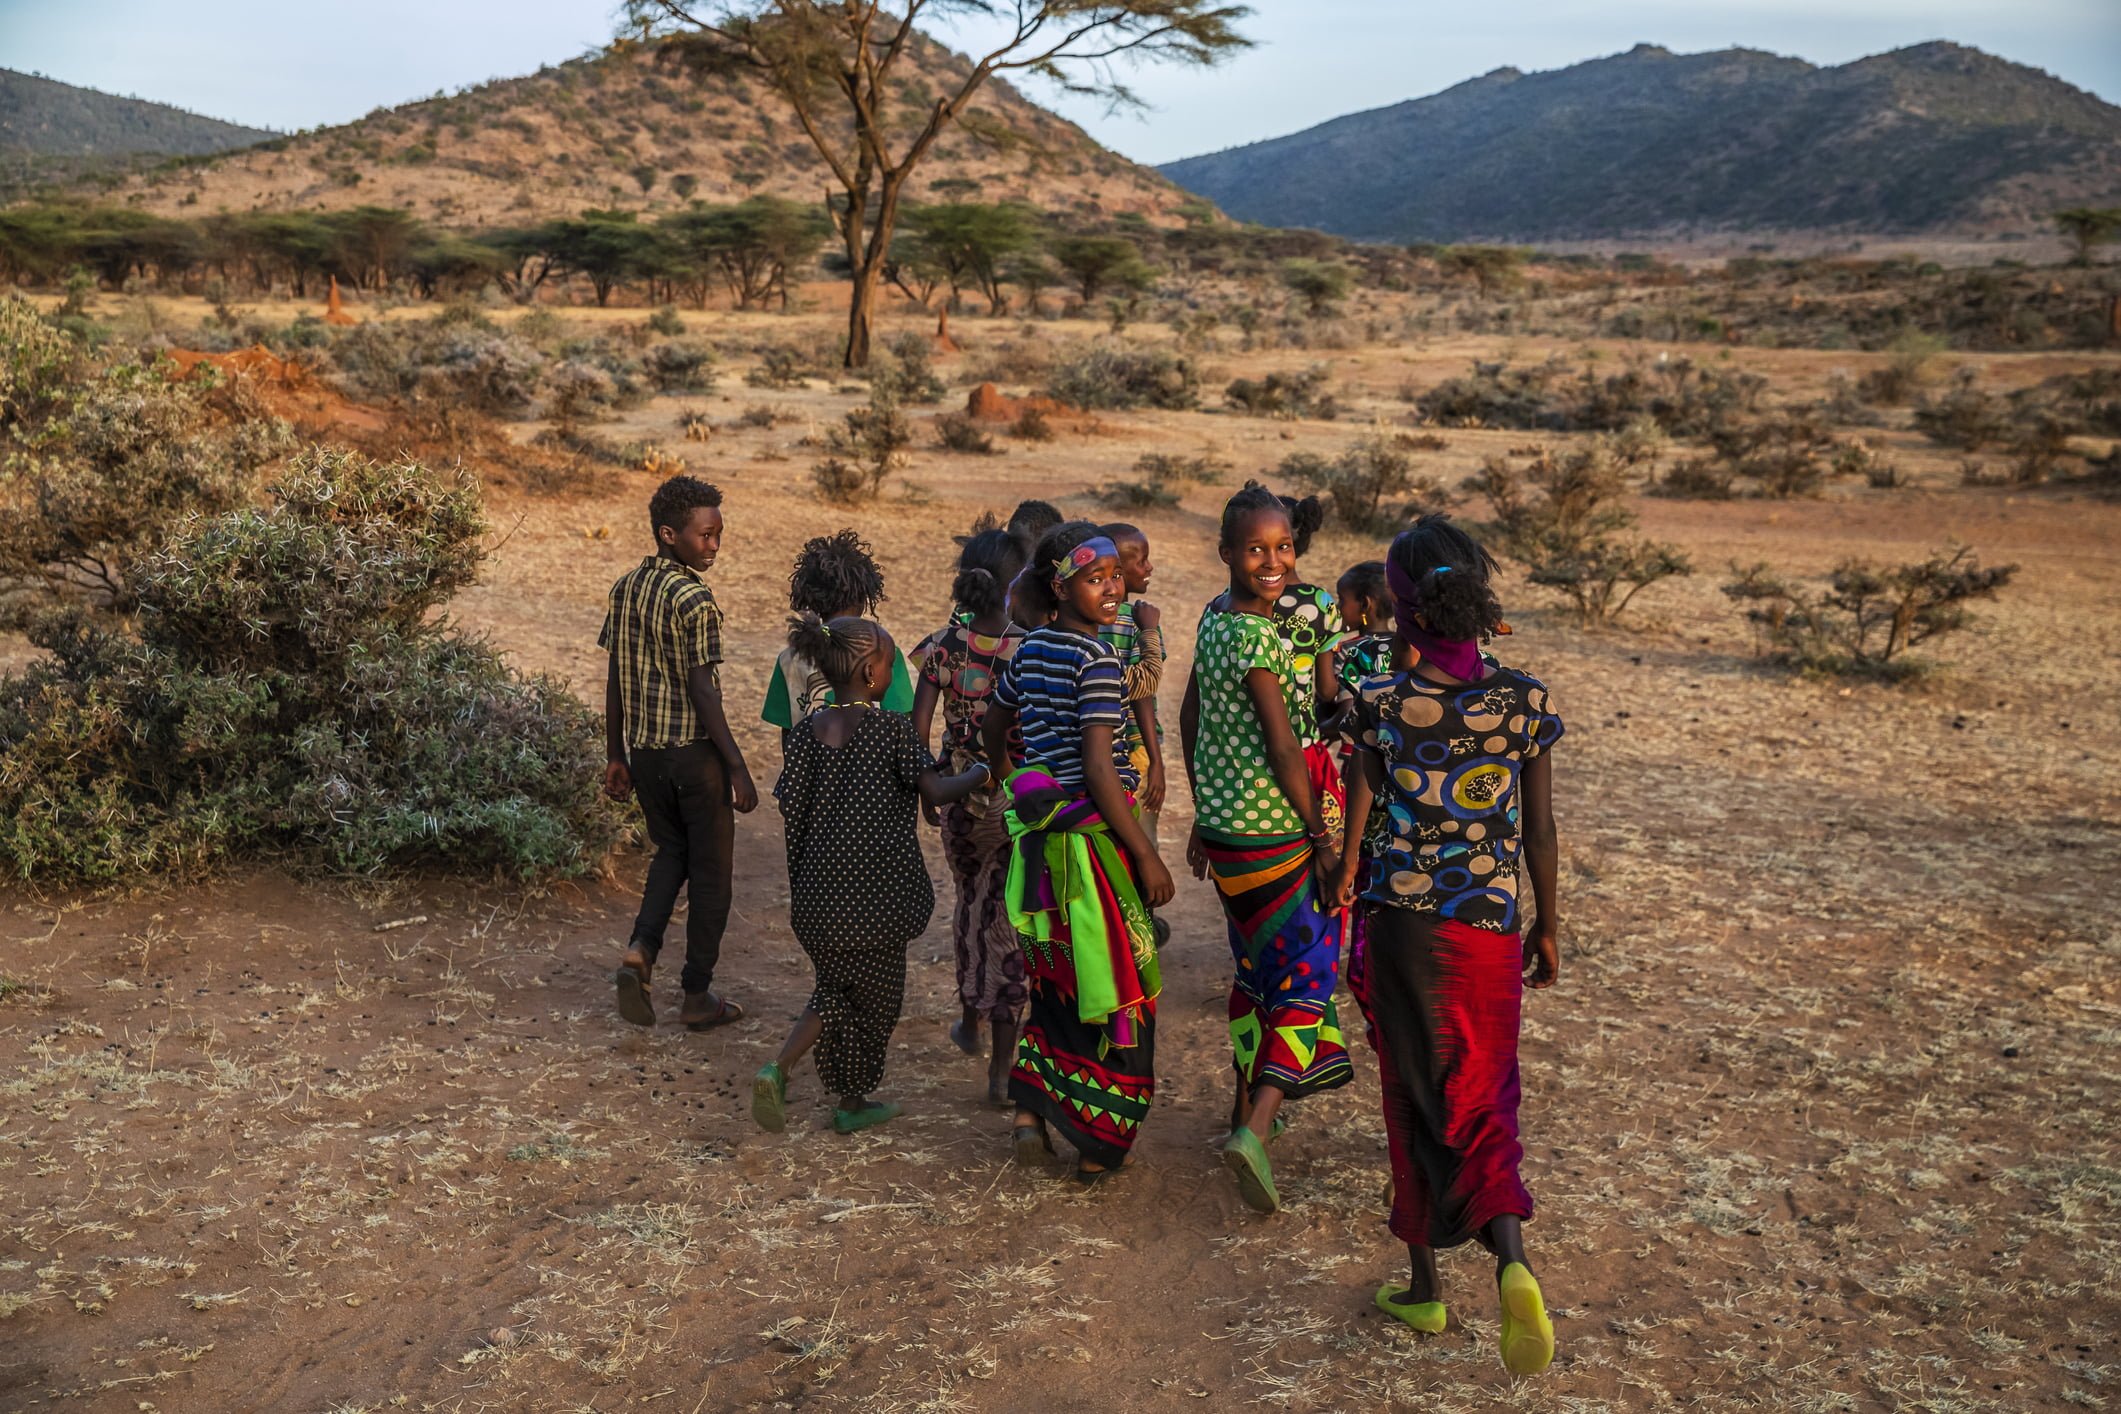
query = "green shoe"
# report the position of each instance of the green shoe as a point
(769, 1099)
(1428, 1317)
(1277, 1129)
(849, 1121)
(1246, 1158)
(1527, 1334)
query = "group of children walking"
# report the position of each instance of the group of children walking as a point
(1369, 788)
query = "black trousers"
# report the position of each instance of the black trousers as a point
(684, 792)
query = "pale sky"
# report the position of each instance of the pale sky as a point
(303, 63)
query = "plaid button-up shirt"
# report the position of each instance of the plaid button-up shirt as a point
(661, 624)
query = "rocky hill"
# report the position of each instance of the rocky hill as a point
(1934, 138)
(624, 130)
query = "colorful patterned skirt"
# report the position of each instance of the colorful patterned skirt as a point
(1441, 1003)
(1284, 1027)
(1086, 1062)
(990, 965)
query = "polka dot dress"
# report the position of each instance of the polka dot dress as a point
(859, 888)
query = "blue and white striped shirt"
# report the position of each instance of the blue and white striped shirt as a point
(1060, 683)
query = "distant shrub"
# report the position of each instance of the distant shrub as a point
(1564, 517)
(862, 452)
(908, 374)
(764, 415)
(1372, 487)
(1697, 479)
(1678, 395)
(1032, 425)
(1864, 621)
(285, 691)
(681, 366)
(697, 426)
(1285, 395)
(1861, 459)
(780, 366)
(1967, 417)
(956, 432)
(1784, 456)
(1102, 379)
(1899, 379)
(1160, 478)
(1320, 284)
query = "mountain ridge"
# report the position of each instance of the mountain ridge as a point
(1932, 137)
(47, 117)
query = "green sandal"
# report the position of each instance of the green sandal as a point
(1428, 1317)
(876, 1112)
(1246, 1158)
(1527, 1333)
(769, 1099)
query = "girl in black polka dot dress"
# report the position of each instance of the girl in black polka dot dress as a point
(853, 778)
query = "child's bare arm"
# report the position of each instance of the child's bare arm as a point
(925, 696)
(994, 737)
(1542, 949)
(1362, 795)
(618, 777)
(1102, 779)
(706, 696)
(939, 789)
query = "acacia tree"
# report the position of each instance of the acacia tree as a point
(837, 65)
(2089, 226)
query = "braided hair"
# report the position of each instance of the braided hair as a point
(1305, 517)
(839, 647)
(835, 572)
(990, 559)
(1452, 574)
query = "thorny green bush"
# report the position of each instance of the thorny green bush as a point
(284, 692)
(1372, 487)
(1864, 620)
(1563, 516)
(1102, 379)
(1967, 417)
(98, 466)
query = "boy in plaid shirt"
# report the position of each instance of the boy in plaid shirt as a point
(668, 743)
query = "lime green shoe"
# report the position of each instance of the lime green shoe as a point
(1428, 1317)
(850, 1121)
(1246, 1158)
(1527, 1334)
(769, 1099)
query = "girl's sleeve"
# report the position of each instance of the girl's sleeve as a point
(1145, 675)
(1258, 646)
(930, 657)
(779, 710)
(899, 696)
(1542, 724)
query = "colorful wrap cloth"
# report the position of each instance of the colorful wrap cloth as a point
(1441, 1005)
(1086, 1060)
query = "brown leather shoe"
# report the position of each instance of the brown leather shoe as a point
(704, 1011)
(632, 978)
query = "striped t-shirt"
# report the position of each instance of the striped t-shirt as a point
(1058, 684)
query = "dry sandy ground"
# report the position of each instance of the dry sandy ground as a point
(1822, 1116)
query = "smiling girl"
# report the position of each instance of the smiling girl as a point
(1083, 874)
(1262, 832)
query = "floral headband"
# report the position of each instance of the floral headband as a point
(1068, 566)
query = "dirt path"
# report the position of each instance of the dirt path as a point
(1820, 1119)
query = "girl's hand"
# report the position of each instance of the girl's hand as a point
(1196, 856)
(1325, 867)
(931, 814)
(1157, 888)
(1152, 796)
(1344, 883)
(1542, 956)
(618, 780)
